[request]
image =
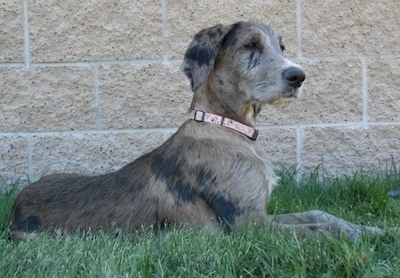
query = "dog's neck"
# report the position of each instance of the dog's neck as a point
(204, 99)
(201, 116)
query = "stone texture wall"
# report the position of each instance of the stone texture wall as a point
(89, 86)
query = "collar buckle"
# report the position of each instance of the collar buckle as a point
(199, 116)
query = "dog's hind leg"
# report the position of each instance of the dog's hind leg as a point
(197, 215)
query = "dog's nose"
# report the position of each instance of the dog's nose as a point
(295, 76)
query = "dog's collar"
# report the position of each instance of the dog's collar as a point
(201, 116)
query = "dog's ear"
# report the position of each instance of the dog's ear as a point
(200, 56)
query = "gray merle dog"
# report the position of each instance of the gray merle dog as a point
(209, 174)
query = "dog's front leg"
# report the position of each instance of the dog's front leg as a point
(319, 224)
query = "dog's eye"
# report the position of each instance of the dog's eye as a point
(252, 45)
(282, 47)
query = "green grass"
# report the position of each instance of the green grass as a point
(255, 252)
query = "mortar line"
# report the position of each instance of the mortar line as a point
(179, 61)
(29, 154)
(63, 64)
(365, 96)
(96, 86)
(350, 56)
(299, 28)
(170, 62)
(90, 131)
(12, 65)
(174, 129)
(27, 54)
(166, 135)
(102, 63)
(299, 149)
(164, 30)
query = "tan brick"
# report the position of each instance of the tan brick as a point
(279, 146)
(13, 161)
(186, 18)
(345, 150)
(383, 89)
(332, 92)
(55, 98)
(11, 31)
(350, 27)
(89, 153)
(143, 96)
(95, 30)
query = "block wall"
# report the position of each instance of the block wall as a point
(88, 86)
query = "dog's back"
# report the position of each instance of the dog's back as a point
(196, 178)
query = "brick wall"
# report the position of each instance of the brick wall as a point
(89, 86)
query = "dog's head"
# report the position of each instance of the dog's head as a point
(243, 66)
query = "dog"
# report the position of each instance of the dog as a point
(209, 174)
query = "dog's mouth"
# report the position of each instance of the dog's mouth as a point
(285, 98)
(282, 101)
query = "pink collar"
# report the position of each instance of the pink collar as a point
(201, 116)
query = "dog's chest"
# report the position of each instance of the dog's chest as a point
(271, 179)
